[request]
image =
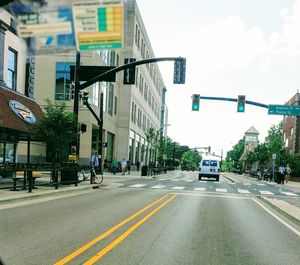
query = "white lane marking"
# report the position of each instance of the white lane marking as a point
(289, 193)
(246, 184)
(157, 187)
(189, 180)
(211, 195)
(137, 186)
(243, 191)
(261, 184)
(265, 192)
(178, 188)
(199, 189)
(221, 190)
(278, 218)
(203, 181)
(217, 182)
(175, 179)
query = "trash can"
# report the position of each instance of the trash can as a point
(69, 176)
(144, 171)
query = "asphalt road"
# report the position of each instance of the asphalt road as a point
(144, 225)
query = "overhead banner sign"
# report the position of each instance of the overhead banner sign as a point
(43, 24)
(98, 24)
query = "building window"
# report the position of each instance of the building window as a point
(96, 88)
(62, 86)
(110, 99)
(104, 91)
(132, 111)
(12, 69)
(116, 103)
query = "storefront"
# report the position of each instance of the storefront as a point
(17, 112)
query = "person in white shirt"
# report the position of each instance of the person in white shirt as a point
(123, 166)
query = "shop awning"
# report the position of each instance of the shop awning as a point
(17, 112)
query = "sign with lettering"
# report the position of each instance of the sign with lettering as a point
(22, 111)
(98, 24)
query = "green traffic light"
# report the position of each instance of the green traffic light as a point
(195, 107)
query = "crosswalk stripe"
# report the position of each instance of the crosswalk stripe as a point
(199, 189)
(247, 184)
(289, 193)
(243, 191)
(189, 180)
(221, 190)
(261, 184)
(178, 188)
(175, 179)
(137, 185)
(265, 192)
(157, 187)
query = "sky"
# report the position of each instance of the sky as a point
(232, 47)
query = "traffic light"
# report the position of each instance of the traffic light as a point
(241, 102)
(85, 96)
(129, 73)
(72, 90)
(179, 71)
(83, 127)
(196, 102)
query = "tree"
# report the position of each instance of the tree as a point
(274, 139)
(191, 159)
(150, 137)
(57, 127)
(234, 155)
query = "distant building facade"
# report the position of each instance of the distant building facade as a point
(291, 128)
(129, 110)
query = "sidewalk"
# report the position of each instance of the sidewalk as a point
(45, 189)
(291, 210)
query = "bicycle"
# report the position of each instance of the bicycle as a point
(84, 175)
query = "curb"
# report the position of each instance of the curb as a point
(281, 211)
(228, 178)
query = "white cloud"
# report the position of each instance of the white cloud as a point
(229, 43)
(289, 37)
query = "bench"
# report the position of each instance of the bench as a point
(15, 179)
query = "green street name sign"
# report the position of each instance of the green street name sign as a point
(287, 110)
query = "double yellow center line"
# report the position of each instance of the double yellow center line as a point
(117, 241)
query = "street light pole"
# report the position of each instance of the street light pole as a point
(100, 144)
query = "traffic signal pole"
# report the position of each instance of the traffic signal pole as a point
(235, 100)
(101, 77)
(76, 99)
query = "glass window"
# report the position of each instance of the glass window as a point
(96, 88)
(110, 99)
(1, 152)
(116, 103)
(213, 163)
(62, 86)
(104, 91)
(12, 69)
(205, 163)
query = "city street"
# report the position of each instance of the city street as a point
(171, 219)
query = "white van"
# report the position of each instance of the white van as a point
(209, 167)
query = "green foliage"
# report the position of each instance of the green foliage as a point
(235, 154)
(57, 126)
(227, 166)
(294, 162)
(191, 159)
(274, 141)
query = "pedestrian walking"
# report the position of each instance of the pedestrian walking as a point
(287, 173)
(138, 165)
(95, 164)
(282, 174)
(128, 166)
(114, 166)
(123, 166)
